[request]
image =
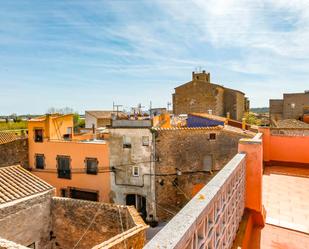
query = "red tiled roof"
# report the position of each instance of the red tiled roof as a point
(6, 137)
(17, 183)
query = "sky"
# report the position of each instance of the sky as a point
(88, 54)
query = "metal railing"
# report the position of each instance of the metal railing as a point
(211, 219)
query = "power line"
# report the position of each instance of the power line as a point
(87, 228)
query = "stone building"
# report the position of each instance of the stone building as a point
(292, 106)
(25, 203)
(31, 217)
(186, 159)
(159, 169)
(201, 96)
(13, 149)
(131, 160)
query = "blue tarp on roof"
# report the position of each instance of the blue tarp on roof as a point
(195, 121)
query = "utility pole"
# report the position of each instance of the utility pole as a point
(117, 108)
(168, 106)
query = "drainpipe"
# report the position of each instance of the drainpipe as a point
(153, 177)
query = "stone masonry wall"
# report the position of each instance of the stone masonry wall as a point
(72, 219)
(300, 100)
(28, 221)
(186, 149)
(201, 96)
(15, 152)
(198, 96)
(276, 109)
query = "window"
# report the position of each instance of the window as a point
(68, 135)
(126, 142)
(145, 140)
(63, 167)
(212, 136)
(84, 194)
(135, 171)
(39, 161)
(91, 166)
(38, 135)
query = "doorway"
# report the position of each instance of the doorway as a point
(139, 202)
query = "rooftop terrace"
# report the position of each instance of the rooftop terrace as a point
(258, 208)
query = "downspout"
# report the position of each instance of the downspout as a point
(153, 176)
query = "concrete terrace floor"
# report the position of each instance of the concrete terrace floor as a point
(286, 200)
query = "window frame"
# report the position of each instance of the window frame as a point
(126, 145)
(35, 160)
(34, 134)
(69, 170)
(212, 138)
(88, 172)
(133, 171)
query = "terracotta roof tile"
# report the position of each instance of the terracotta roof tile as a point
(6, 137)
(17, 183)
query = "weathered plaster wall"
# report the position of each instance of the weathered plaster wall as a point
(123, 159)
(186, 149)
(71, 219)
(28, 221)
(15, 152)
(90, 120)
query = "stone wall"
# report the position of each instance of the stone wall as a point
(6, 244)
(276, 109)
(199, 95)
(15, 152)
(90, 223)
(182, 168)
(133, 238)
(28, 221)
(300, 100)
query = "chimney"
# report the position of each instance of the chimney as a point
(243, 123)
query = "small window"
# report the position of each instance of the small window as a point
(39, 161)
(212, 136)
(38, 135)
(63, 167)
(126, 142)
(145, 141)
(91, 166)
(135, 171)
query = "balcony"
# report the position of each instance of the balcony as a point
(230, 211)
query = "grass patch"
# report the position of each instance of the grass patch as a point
(13, 125)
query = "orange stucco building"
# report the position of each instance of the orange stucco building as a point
(76, 165)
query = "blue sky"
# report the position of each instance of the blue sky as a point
(87, 54)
